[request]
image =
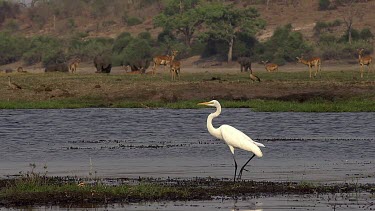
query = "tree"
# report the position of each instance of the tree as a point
(224, 22)
(183, 17)
(349, 13)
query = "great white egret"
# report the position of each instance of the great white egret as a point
(232, 137)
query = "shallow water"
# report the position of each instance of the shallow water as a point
(352, 202)
(323, 147)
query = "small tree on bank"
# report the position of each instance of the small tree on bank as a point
(224, 22)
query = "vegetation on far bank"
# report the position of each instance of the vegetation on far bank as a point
(334, 91)
(219, 30)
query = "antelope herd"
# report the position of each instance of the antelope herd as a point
(175, 66)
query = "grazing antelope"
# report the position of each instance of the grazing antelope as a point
(175, 69)
(270, 67)
(364, 60)
(163, 60)
(13, 85)
(20, 70)
(74, 65)
(310, 63)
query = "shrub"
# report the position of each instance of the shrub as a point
(366, 34)
(121, 42)
(321, 26)
(132, 21)
(43, 49)
(285, 45)
(138, 49)
(355, 36)
(166, 36)
(71, 23)
(128, 50)
(326, 39)
(88, 49)
(8, 9)
(145, 35)
(343, 50)
(325, 5)
(11, 48)
(11, 25)
(244, 46)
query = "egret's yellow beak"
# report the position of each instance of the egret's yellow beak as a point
(204, 103)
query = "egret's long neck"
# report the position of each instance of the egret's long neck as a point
(214, 131)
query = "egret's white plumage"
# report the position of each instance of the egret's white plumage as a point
(233, 137)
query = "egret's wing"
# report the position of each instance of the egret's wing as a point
(238, 139)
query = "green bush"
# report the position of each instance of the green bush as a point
(88, 49)
(138, 49)
(366, 34)
(325, 5)
(355, 36)
(285, 45)
(165, 36)
(11, 48)
(321, 26)
(326, 39)
(121, 42)
(43, 49)
(145, 35)
(129, 50)
(343, 50)
(132, 21)
(71, 23)
(11, 25)
(244, 46)
(197, 48)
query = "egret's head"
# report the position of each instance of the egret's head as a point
(213, 103)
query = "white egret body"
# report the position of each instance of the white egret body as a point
(233, 137)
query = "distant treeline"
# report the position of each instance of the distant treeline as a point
(193, 27)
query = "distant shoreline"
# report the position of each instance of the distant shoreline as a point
(330, 91)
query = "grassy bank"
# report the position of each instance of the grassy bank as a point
(348, 105)
(42, 191)
(284, 91)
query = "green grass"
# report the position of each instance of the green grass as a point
(342, 105)
(139, 91)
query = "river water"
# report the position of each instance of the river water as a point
(321, 147)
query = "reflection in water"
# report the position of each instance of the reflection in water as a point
(164, 142)
(329, 202)
(246, 210)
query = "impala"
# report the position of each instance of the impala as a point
(163, 60)
(175, 69)
(74, 65)
(310, 63)
(364, 60)
(270, 67)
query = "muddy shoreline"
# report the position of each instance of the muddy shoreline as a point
(105, 191)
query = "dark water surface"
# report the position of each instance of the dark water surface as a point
(349, 202)
(323, 147)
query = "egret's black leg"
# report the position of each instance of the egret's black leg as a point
(243, 167)
(235, 168)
